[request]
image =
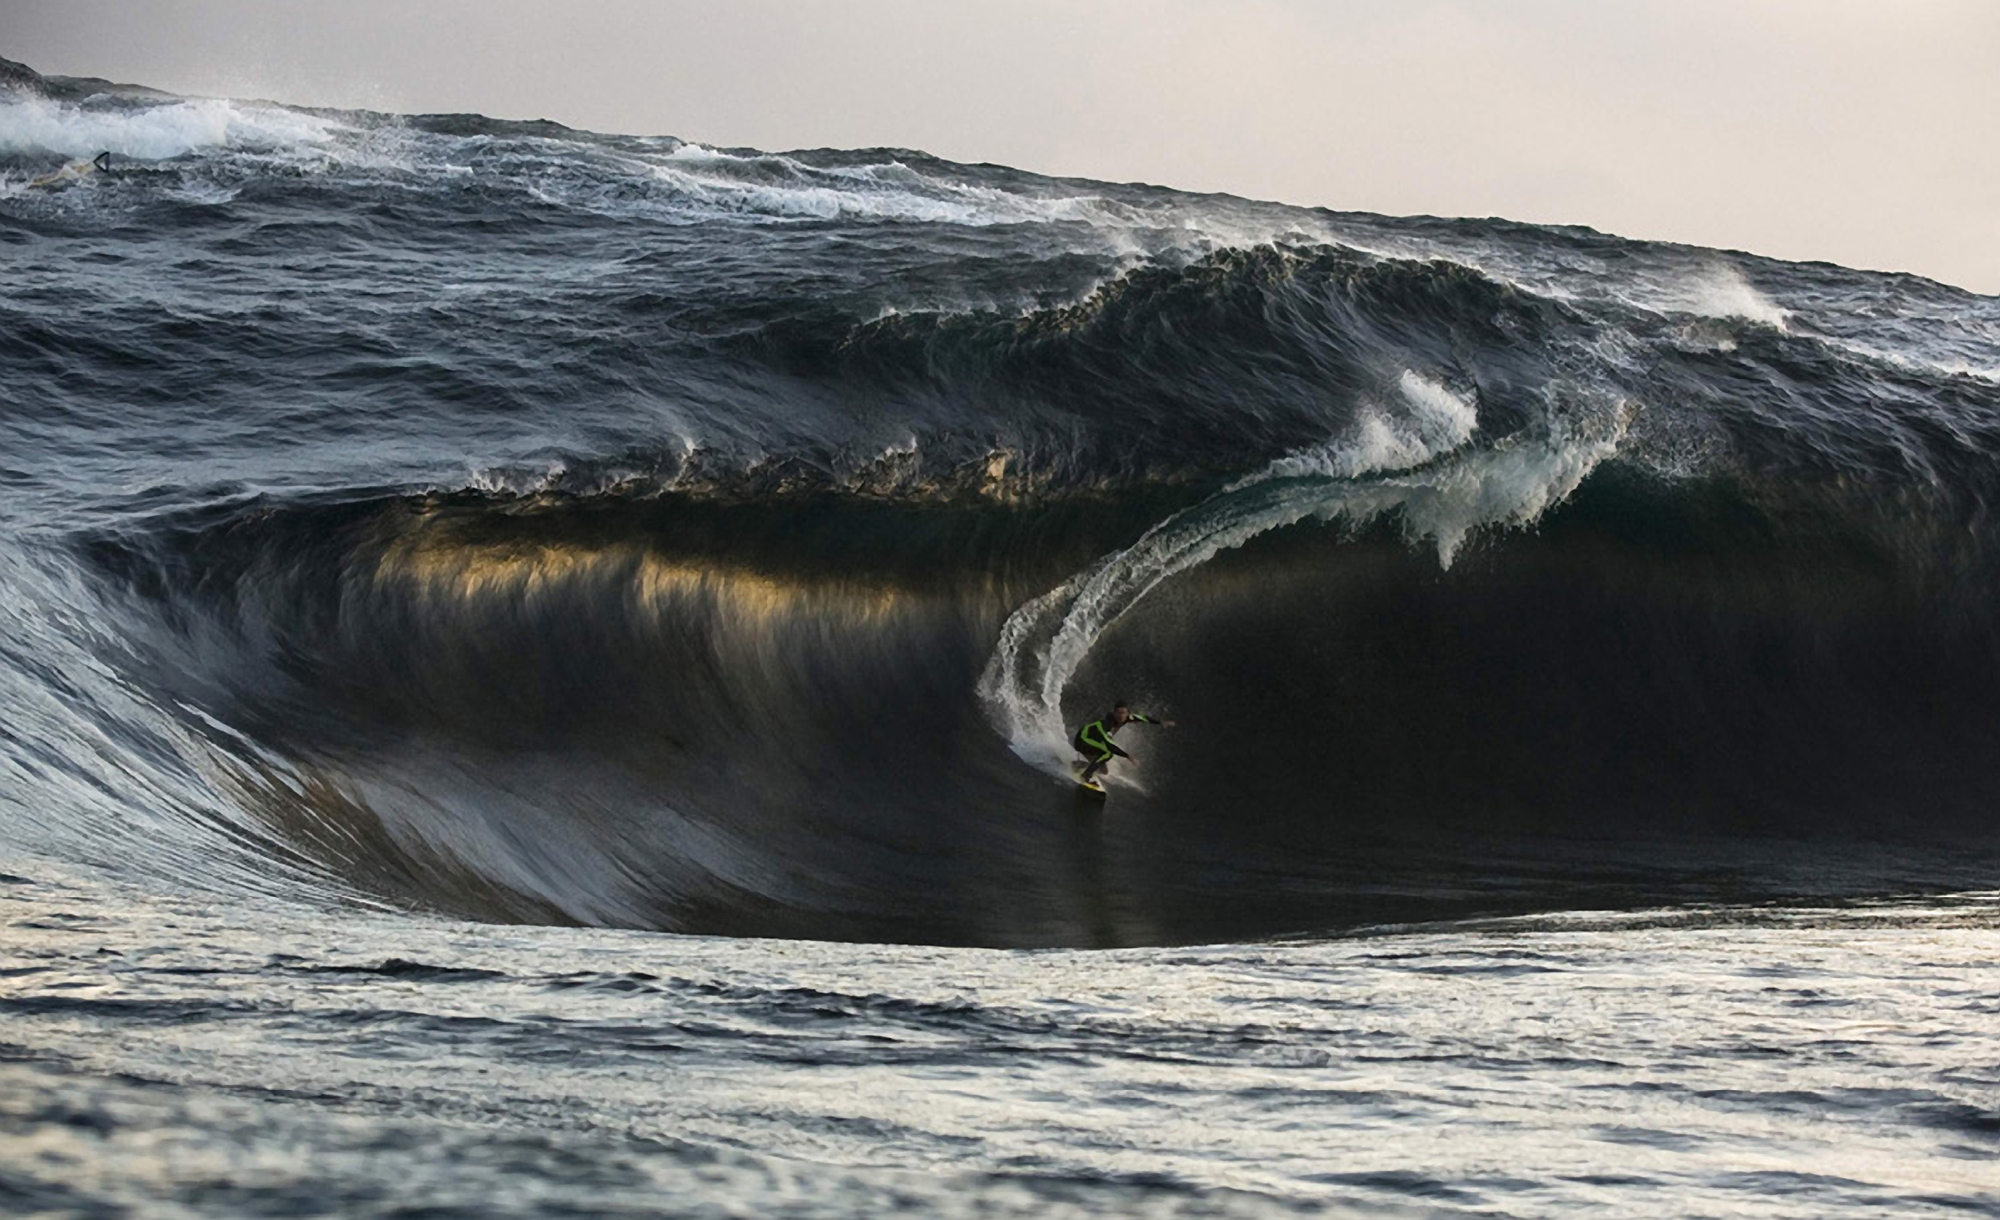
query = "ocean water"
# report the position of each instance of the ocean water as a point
(536, 670)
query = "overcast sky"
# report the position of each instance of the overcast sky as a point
(1857, 131)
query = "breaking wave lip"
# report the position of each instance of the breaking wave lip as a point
(1436, 420)
(661, 178)
(777, 185)
(158, 132)
(1724, 292)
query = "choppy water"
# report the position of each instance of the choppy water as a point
(635, 547)
(182, 1059)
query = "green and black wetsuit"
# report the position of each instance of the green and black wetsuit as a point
(1093, 741)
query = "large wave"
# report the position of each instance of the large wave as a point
(540, 525)
(796, 717)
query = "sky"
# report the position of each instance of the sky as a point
(1854, 131)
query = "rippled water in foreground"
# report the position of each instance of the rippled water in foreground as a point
(181, 1058)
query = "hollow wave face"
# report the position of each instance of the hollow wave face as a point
(839, 718)
(615, 530)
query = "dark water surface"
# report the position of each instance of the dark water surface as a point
(413, 520)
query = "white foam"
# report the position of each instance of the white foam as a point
(815, 201)
(783, 187)
(703, 182)
(208, 194)
(1434, 421)
(663, 181)
(1721, 291)
(154, 133)
(1929, 366)
(1043, 643)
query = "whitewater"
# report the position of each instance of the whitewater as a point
(536, 665)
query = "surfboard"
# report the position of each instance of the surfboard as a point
(99, 164)
(1088, 787)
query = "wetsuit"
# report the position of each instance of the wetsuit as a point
(1093, 741)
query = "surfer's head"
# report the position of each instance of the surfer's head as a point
(1120, 712)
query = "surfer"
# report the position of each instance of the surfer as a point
(99, 164)
(1093, 740)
